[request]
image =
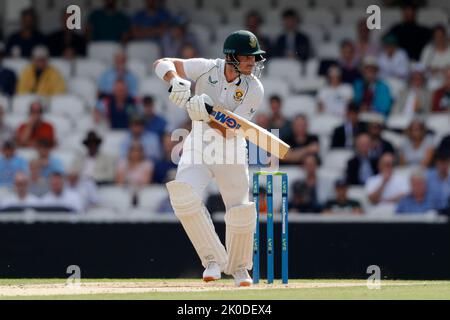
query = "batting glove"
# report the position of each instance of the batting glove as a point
(181, 91)
(196, 108)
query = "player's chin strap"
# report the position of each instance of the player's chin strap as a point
(257, 69)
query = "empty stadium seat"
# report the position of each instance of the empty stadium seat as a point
(365, 3)
(21, 103)
(342, 32)
(63, 66)
(398, 121)
(359, 194)
(295, 4)
(84, 88)
(67, 106)
(153, 86)
(182, 6)
(103, 51)
(90, 68)
(16, 64)
(328, 50)
(27, 153)
(235, 17)
(439, 123)
(308, 84)
(208, 17)
(311, 68)
(66, 156)
(112, 142)
(139, 68)
(150, 197)
(350, 17)
(394, 138)
(4, 102)
(14, 120)
(300, 104)
(335, 4)
(324, 124)
(115, 197)
(73, 142)
(319, 17)
(337, 159)
(396, 86)
(275, 86)
(284, 68)
(432, 16)
(61, 125)
(315, 33)
(261, 5)
(145, 51)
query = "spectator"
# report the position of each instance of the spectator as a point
(277, 119)
(411, 36)
(21, 198)
(348, 63)
(135, 171)
(7, 77)
(292, 43)
(38, 184)
(118, 72)
(436, 55)
(393, 61)
(85, 187)
(418, 148)
(65, 42)
(441, 97)
(253, 22)
(416, 98)
(334, 98)
(438, 181)
(10, 164)
(375, 127)
(165, 166)
(342, 204)
(444, 146)
(94, 164)
(40, 77)
(300, 201)
(22, 43)
(364, 46)
(108, 24)
(61, 197)
(35, 128)
(372, 93)
(48, 162)
(153, 122)
(361, 167)
(117, 108)
(302, 143)
(149, 140)
(386, 188)
(419, 200)
(6, 132)
(318, 188)
(188, 51)
(151, 22)
(176, 37)
(344, 135)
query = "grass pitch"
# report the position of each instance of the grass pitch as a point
(194, 289)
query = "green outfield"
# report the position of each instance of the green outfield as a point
(187, 289)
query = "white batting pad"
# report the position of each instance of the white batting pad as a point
(197, 223)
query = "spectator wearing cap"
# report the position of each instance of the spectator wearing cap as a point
(292, 43)
(364, 46)
(176, 36)
(301, 199)
(372, 93)
(277, 119)
(22, 43)
(342, 204)
(393, 61)
(21, 198)
(441, 97)
(151, 22)
(84, 187)
(253, 22)
(348, 62)
(40, 77)
(38, 184)
(153, 122)
(6, 131)
(118, 108)
(167, 165)
(93, 163)
(48, 162)
(60, 196)
(418, 147)
(419, 200)
(35, 128)
(149, 140)
(361, 167)
(436, 55)
(344, 136)
(10, 164)
(118, 72)
(416, 98)
(375, 126)
(135, 171)
(8, 78)
(438, 180)
(335, 96)
(108, 24)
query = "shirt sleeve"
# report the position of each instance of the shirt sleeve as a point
(251, 101)
(194, 68)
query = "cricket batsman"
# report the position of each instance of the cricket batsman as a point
(232, 82)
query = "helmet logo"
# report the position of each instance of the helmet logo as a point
(253, 41)
(238, 94)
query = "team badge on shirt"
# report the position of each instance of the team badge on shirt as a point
(238, 94)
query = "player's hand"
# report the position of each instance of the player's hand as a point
(197, 109)
(181, 91)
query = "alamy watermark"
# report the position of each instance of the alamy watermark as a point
(374, 280)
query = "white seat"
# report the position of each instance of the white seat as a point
(84, 88)
(139, 68)
(439, 123)
(21, 103)
(359, 194)
(335, 4)
(438, 4)
(319, 17)
(15, 120)
(179, 6)
(150, 197)
(208, 17)
(394, 138)
(350, 17)
(153, 86)
(312, 68)
(366, 3)
(115, 197)
(61, 125)
(342, 32)
(145, 51)
(432, 16)
(396, 86)
(235, 17)
(324, 124)
(27, 153)
(390, 17)
(4, 102)
(337, 159)
(89, 68)
(315, 32)
(63, 66)
(67, 105)
(103, 51)
(272, 31)
(73, 142)
(260, 5)
(203, 35)
(308, 84)
(300, 104)
(222, 32)
(275, 86)
(295, 4)
(16, 64)
(398, 121)
(284, 68)
(67, 158)
(327, 178)
(112, 142)
(328, 50)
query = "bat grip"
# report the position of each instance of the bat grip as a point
(209, 108)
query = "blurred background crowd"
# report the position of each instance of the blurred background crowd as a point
(85, 124)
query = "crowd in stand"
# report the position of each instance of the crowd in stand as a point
(357, 90)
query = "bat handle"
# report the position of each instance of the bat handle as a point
(209, 108)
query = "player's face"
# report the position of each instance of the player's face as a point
(246, 64)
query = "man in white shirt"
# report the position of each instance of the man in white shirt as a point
(21, 198)
(232, 83)
(60, 196)
(393, 61)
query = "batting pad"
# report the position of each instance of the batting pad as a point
(240, 224)
(197, 223)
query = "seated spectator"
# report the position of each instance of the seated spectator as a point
(166, 165)
(10, 164)
(418, 148)
(21, 198)
(35, 128)
(117, 108)
(153, 122)
(375, 127)
(84, 187)
(436, 55)
(178, 35)
(335, 96)
(411, 36)
(253, 22)
(149, 140)
(6, 132)
(292, 43)
(393, 61)
(302, 143)
(416, 98)
(372, 93)
(438, 181)
(441, 97)
(108, 24)
(40, 77)
(342, 204)
(344, 135)
(348, 63)
(419, 200)
(361, 167)
(8, 78)
(300, 201)
(151, 22)
(48, 162)
(386, 188)
(61, 197)
(65, 42)
(444, 146)
(94, 164)
(135, 171)
(188, 52)
(118, 71)
(38, 184)
(364, 46)
(277, 119)
(22, 43)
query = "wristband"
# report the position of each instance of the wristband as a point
(163, 67)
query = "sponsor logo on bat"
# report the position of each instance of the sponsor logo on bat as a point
(229, 121)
